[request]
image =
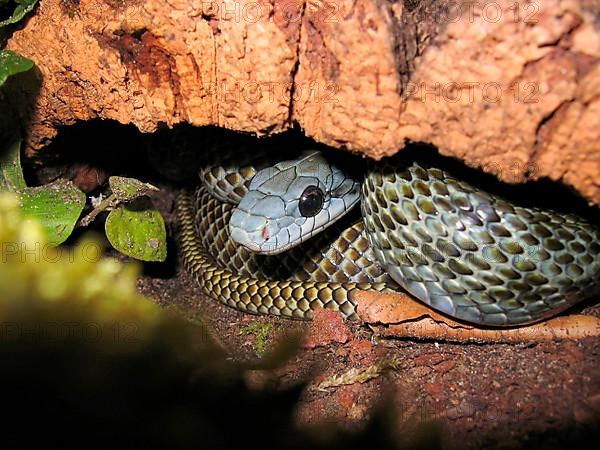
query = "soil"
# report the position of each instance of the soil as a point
(533, 395)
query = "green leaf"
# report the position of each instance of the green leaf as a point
(127, 189)
(138, 230)
(11, 175)
(57, 206)
(23, 8)
(12, 63)
(261, 332)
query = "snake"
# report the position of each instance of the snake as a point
(286, 238)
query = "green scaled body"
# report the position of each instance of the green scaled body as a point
(475, 256)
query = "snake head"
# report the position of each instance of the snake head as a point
(291, 201)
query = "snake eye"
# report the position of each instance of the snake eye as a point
(311, 201)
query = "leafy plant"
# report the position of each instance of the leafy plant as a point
(12, 63)
(22, 8)
(133, 227)
(57, 206)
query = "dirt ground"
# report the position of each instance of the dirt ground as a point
(530, 395)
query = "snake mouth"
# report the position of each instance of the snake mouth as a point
(257, 241)
(243, 238)
(262, 241)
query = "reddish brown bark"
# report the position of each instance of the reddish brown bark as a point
(511, 87)
(399, 315)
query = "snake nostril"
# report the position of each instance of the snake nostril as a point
(265, 233)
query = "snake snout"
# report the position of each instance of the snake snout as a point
(245, 239)
(253, 232)
(248, 230)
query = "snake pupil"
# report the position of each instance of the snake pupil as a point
(311, 201)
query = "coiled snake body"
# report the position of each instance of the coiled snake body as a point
(464, 252)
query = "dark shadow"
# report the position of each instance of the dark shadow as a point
(163, 386)
(18, 96)
(103, 144)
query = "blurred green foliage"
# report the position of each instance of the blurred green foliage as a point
(85, 360)
(36, 276)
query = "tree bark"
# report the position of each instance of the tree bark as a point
(511, 87)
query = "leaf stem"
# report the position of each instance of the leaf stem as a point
(109, 202)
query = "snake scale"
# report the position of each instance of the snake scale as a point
(465, 252)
